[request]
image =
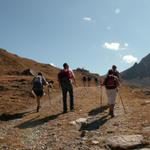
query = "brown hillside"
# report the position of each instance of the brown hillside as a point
(15, 88)
(22, 128)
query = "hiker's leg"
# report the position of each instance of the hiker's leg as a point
(109, 95)
(113, 94)
(38, 103)
(84, 83)
(71, 98)
(64, 92)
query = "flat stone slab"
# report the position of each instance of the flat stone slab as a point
(144, 149)
(146, 129)
(125, 141)
(81, 120)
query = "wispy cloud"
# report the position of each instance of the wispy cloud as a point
(115, 46)
(129, 59)
(117, 11)
(112, 46)
(88, 19)
(126, 44)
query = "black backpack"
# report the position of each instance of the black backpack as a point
(37, 83)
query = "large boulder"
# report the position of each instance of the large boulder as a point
(28, 72)
(124, 142)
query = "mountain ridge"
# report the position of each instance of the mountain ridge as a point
(139, 73)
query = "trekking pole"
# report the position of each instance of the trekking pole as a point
(49, 95)
(30, 94)
(27, 100)
(101, 98)
(122, 103)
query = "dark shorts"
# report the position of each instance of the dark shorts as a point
(38, 92)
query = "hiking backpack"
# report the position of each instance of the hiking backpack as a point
(65, 77)
(110, 82)
(37, 83)
(84, 78)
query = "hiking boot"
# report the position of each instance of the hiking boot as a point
(109, 113)
(38, 108)
(65, 111)
(112, 115)
(72, 110)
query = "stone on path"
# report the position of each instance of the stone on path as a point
(144, 149)
(146, 102)
(94, 142)
(81, 120)
(146, 129)
(125, 141)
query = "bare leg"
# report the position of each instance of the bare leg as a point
(111, 110)
(38, 103)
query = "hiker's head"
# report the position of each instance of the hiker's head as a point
(66, 66)
(39, 74)
(114, 67)
(110, 72)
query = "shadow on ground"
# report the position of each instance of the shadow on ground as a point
(98, 110)
(95, 124)
(33, 123)
(7, 117)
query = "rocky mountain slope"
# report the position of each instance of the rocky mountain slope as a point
(89, 127)
(16, 76)
(139, 73)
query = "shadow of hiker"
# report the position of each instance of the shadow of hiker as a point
(7, 117)
(33, 123)
(95, 124)
(98, 110)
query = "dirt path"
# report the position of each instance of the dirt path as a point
(52, 130)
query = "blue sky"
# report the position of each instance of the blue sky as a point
(93, 34)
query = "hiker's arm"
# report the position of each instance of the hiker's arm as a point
(44, 81)
(118, 84)
(104, 82)
(58, 79)
(73, 78)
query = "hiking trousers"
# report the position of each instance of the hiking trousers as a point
(111, 94)
(65, 90)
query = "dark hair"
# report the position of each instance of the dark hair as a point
(65, 65)
(39, 73)
(114, 66)
(110, 72)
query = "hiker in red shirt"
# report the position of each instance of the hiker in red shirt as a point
(66, 80)
(111, 84)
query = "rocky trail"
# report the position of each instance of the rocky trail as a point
(87, 128)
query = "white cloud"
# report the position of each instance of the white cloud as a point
(117, 11)
(126, 44)
(87, 19)
(129, 59)
(112, 46)
(116, 46)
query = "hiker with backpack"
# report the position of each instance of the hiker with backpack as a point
(96, 81)
(38, 82)
(89, 80)
(116, 72)
(111, 84)
(84, 81)
(66, 79)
